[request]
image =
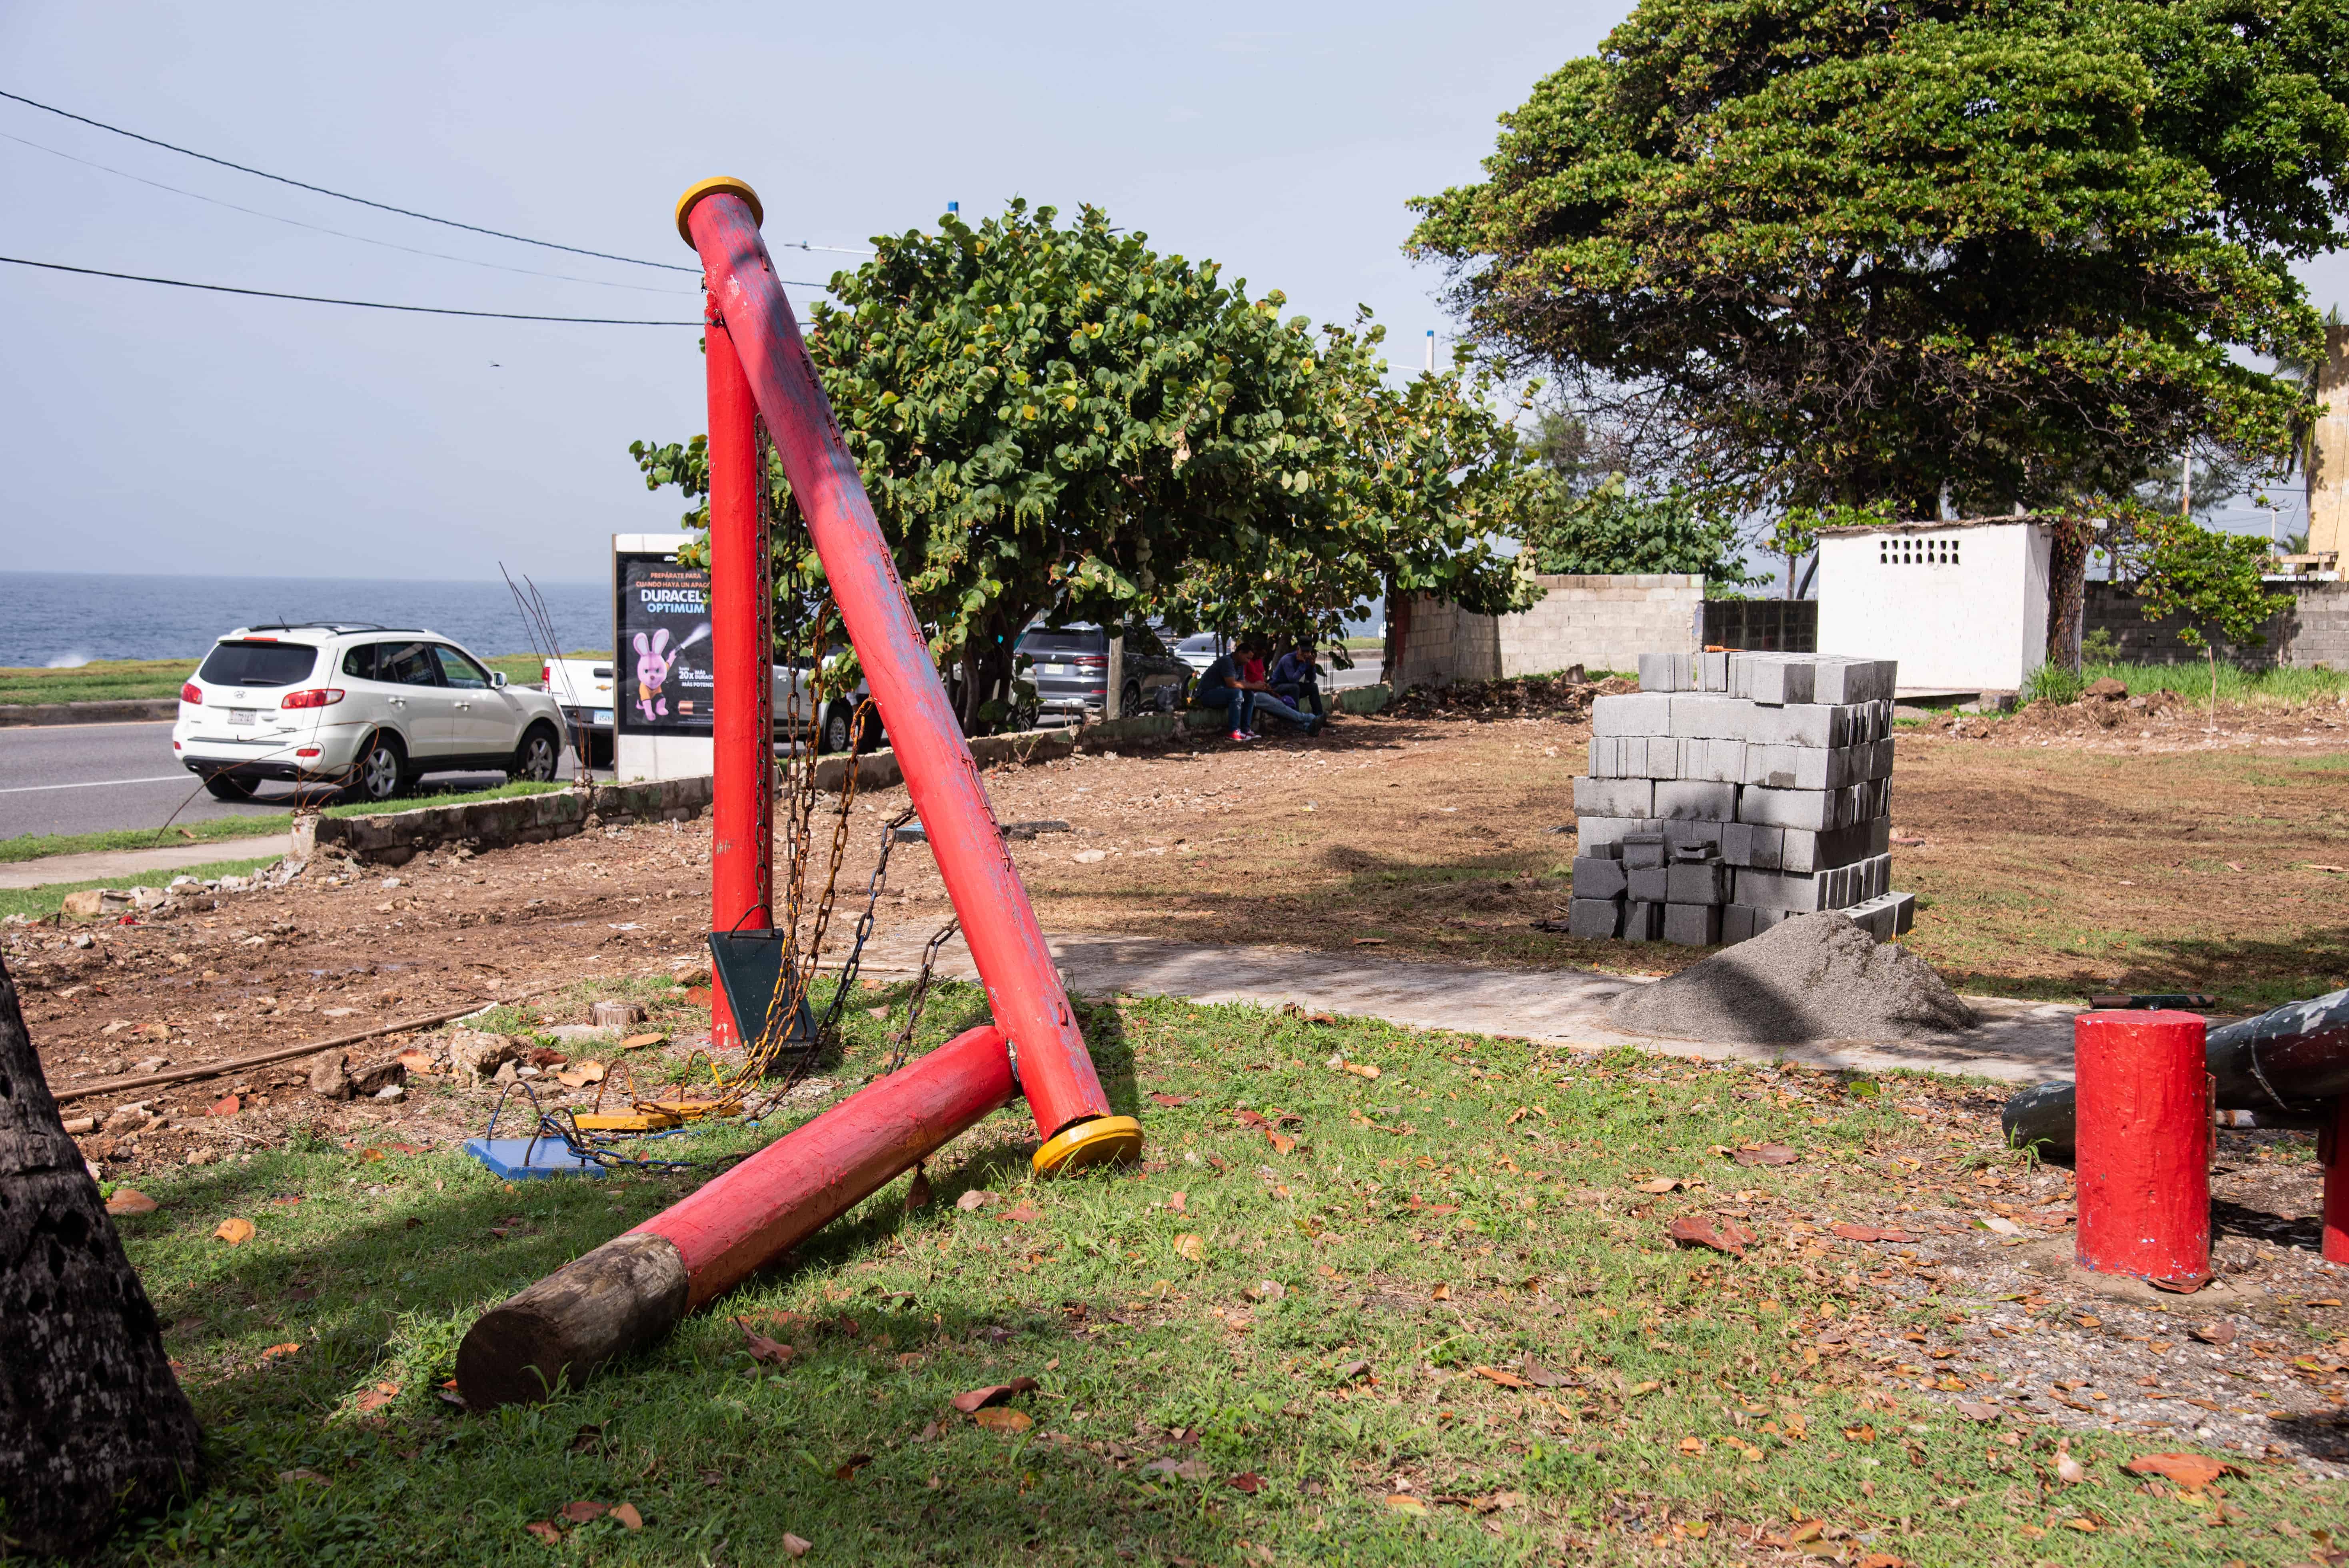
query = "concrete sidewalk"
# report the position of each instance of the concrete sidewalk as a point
(101, 865)
(2018, 1042)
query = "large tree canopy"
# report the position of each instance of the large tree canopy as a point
(1060, 418)
(1854, 250)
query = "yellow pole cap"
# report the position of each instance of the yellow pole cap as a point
(1102, 1139)
(700, 188)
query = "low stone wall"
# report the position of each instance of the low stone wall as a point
(1600, 622)
(393, 838)
(129, 710)
(2314, 629)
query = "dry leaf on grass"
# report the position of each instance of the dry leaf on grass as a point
(2192, 1472)
(976, 1199)
(1021, 1213)
(627, 1517)
(1002, 1421)
(1248, 1481)
(1265, 1290)
(766, 1351)
(1281, 1143)
(796, 1545)
(847, 1471)
(1765, 1154)
(545, 1531)
(1364, 1070)
(1661, 1184)
(234, 1232)
(1692, 1445)
(2218, 1332)
(1158, 1096)
(130, 1201)
(1864, 1434)
(377, 1397)
(994, 1393)
(1505, 1379)
(1403, 1503)
(1440, 1293)
(1871, 1233)
(581, 1076)
(1541, 1377)
(1709, 1230)
(1191, 1246)
(1348, 1371)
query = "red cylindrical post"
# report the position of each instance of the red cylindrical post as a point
(2332, 1149)
(742, 876)
(810, 1177)
(720, 219)
(2144, 1147)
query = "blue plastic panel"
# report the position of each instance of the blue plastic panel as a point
(529, 1159)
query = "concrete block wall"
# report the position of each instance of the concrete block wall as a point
(1733, 790)
(1600, 622)
(2312, 630)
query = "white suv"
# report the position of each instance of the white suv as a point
(368, 707)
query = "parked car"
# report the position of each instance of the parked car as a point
(372, 709)
(1069, 666)
(1199, 650)
(584, 687)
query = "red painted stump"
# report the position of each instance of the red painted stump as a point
(2143, 1150)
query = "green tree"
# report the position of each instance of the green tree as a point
(2210, 581)
(1853, 251)
(1053, 418)
(1059, 419)
(1611, 529)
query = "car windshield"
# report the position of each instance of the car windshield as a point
(257, 664)
(1064, 640)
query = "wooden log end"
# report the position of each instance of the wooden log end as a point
(623, 1295)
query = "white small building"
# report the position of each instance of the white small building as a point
(1962, 605)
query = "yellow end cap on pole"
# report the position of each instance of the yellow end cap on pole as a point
(1101, 1141)
(700, 188)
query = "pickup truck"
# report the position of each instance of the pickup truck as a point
(584, 687)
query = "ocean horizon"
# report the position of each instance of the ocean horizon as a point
(61, 619)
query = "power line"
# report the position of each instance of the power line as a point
(361, 303)
(338, 233)
(340, 195)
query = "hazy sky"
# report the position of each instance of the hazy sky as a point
(156, 429)
(160, 430)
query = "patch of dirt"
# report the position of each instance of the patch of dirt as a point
(2157, 720)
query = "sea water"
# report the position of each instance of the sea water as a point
(61, 619)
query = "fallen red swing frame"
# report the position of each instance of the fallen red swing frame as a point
(632, 1289)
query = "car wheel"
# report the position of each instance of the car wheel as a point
(381, 773)
(834, 736)
(535, 758)
(229, 787)
(1129, 699)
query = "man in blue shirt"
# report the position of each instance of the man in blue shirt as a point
(1223, 686)
(1298, 677)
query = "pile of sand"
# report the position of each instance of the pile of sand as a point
(1815, 977)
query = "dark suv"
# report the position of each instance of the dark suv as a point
(1070, 665)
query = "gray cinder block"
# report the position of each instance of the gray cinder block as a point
(1643, 849)
(1614, 797)
(1692, 800)
(1643, 921)
(1693, 924)
(1813, 852)
(1704, 882)
(1594, 917)
(1711, 716)
(1590, 833)
(1661, 757)
(1846, 680)
(1597, 876)
(1713, 761)
(1777, 680)
(1657, 674)
(1713, 672)
(1736, 922)
(1813, 811)
(1800, 766)
(1633, 713)
(1647, 885)
(1780, 889)
(1684, 839)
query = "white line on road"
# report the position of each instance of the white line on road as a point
(94, 784)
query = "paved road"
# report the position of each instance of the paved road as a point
(88, 777)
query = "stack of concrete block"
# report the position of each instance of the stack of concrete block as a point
(1733, 790)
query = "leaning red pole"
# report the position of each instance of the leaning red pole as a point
(742, 861)
(635, 1287)
(2143, 1161)
(1023, 987)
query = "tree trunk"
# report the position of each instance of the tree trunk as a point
(93, 1425)
(2068, 591)
(1398, 633)
(2212, 650)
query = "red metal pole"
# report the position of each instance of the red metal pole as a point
(2332, 1149)
(635, 1287)
(810, 1176)
(2144, 1145)
(742, 860)
(720, 218)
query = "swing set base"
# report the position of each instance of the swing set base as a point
(1102, 1140)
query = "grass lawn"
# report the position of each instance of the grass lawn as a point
(108, 680)
(40, 846)
(2235, 683)
(1471, 1210)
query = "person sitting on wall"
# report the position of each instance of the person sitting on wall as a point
(1297, 676)
(1226, 684)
